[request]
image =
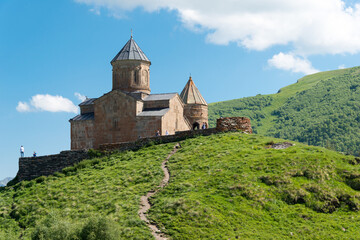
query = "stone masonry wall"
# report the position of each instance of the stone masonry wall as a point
(156, 140)
(196, 113)
(82, 134)
(233, 124)
(33, 167)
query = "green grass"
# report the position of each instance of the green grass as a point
(232, 186)
(320, 109)
(224, 186)
(109, 186)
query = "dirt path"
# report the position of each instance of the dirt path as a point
(144, 201)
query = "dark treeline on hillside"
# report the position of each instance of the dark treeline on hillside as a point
(325, 114)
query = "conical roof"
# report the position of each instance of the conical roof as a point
(131, 51)
(191, 94)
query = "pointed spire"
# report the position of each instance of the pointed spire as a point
(131, 51)
(191, 94)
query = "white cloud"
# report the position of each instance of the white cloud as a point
(292, 63)
(342, 66)
(96, 11)
(80, 96)
(308, 26)
(23, 107)
(47, 103)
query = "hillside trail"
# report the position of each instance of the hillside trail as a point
(144, 200)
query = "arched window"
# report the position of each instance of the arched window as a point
(135, 77)
(115, 124)
(145, 76)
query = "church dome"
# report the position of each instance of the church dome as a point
(131, 51)
(191, 94)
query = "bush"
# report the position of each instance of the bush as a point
(100, 228)
(9, 235)
(354, 183)
(40, 179)
(95, 153)
(292, 195)
(54, 227)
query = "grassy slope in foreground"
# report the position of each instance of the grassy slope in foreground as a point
(59, 206)
(231, 186)
(320, 109)
(221, 187)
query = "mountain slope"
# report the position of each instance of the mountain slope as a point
(4, 181)
(320, 109)
(224, 186)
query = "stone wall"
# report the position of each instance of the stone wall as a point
(115, 118)
(82, 134)
(223, 125)
(86, 108)
(131, 75)
(156, 140)
(33, 167)
(196, 113)
(174, 120)
(233, 124)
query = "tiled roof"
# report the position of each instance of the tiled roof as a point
(88, 101)
(85, 116)
(131, 51)
(153, 112)
(162, 96)
(191, 94)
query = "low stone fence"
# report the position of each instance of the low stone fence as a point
(141, 142)
(33, 167)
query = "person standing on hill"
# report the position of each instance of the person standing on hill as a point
(22, 151)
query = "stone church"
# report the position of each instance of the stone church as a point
(129, 111)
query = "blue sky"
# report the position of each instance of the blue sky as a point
(50, 50)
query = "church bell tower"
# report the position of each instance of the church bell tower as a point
(131, 69)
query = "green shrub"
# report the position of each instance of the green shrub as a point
(95, 153)
(354, 183)
(292, 195)
(40, 179)
(9, 235)
(100, 228)
(55, 227)
(274, 180)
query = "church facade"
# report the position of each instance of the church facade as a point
(129, 111)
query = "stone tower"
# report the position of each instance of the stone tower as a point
(196, 108)
(131, 69)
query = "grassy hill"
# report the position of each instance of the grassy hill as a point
(224, 186)
(320, 109)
